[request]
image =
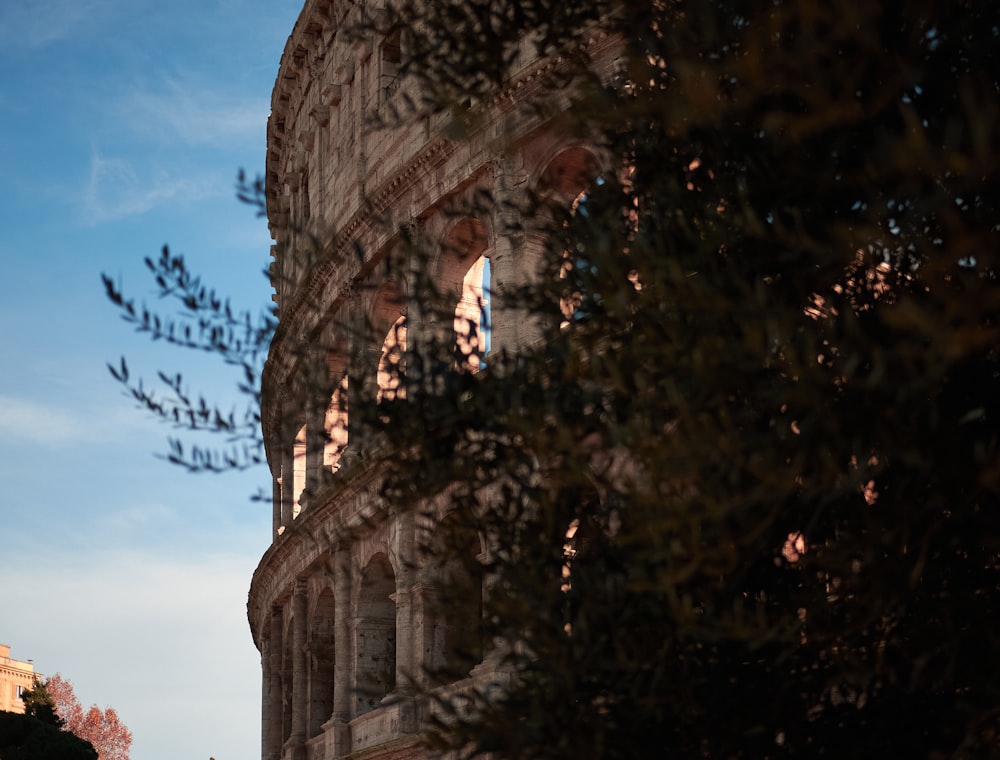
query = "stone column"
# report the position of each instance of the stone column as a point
(300, 673)
(275, 505)
(361, 370)
(287, 454)
(405, 661)
(337, 728)
(265, 696)
(271, 745)
(427, 641)
(416, 327)
(507, 259)
(316, 383)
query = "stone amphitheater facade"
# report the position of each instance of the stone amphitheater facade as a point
(340, 606)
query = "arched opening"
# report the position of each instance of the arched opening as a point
(336, 425)
(464, 271)
(569, 173)
(472, 315)
(388, 319)
(563, 185)
(585, 551)
(299, 449)
(576, 268)
(336, 420)
(453, 633)
(375, 635)
(391, 366)
(321, 663)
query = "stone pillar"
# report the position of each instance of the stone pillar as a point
(427, 640)
(338, 731)
(275, 506)
(265, 689)
(508, 267)
(406, 663)
(416, 327)
(271, 745)
(492, 668)
(316, 383)
(287, 454)
(300, 672)
(361, 371)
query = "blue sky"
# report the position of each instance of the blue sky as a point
(122, 126)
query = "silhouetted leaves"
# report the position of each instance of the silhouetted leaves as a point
(742, 500)
(206, 322)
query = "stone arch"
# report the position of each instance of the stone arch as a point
(566, 172)
(564, 179)
(337, 418)
(451, 591)
(463, 272)
(375, 635)
(300, 449)
(388, 320)
(584, 549)
(391, 362)
(321, 649)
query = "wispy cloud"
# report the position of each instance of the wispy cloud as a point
(185, 110)
(29, 421)
(125, 520)
(50, 423)
(116, 189)
(35, 24)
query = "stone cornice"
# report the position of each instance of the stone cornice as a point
(321, 290)
(328, 281)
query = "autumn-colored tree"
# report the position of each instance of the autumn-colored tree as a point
(102, 728)
(67, 706)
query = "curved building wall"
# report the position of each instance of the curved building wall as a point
(340, 608)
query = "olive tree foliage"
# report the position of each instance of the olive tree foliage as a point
(204, 321)
(741, 498)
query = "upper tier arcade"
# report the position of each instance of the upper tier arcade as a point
(340, 606)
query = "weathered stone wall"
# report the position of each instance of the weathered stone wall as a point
(339, 606)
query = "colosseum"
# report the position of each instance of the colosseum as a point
(341, 607)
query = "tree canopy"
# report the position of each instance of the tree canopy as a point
(39, 733)
(101, 728)
(23, 737)
(741, 498)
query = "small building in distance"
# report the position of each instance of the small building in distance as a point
(15, 676)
